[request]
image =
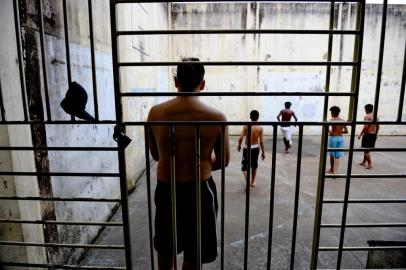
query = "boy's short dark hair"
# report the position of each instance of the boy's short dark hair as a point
(189, 75)
(288, 104)
(335, 110)
(254, 115)
(369, 108)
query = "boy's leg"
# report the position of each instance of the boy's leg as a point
(254, 174)
(364, 160)
(331, 164)
(165, 262)
(368, 160)
(336, 163)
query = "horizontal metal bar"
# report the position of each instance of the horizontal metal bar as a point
(52, 148)
(363, 248)
(239, 63)
(401, 175)
(35, 244)
(233, 94)
(366, 201)
(71, 174)
(231, 1)
(381, 149)
(59, 266)
(364, 225)
(227, 123)
(237, 31)
(33, 198)
(79, 223)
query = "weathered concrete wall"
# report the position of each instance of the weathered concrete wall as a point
(268, 47)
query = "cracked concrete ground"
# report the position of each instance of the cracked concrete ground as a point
(384, 162)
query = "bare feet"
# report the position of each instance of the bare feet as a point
(368, 167)
(330, 171)
(253, 184)
(362, 164)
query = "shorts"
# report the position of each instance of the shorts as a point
(254, 158)
(336, 142)
(368, 141)
(186, 220)
(287, 133)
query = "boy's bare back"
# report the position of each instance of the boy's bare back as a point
(185, 109)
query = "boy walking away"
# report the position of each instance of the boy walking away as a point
(336, 139)
(287, 114)
(257, 141)
(368, 134)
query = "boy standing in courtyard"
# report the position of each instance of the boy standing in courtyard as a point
(286, 115)
(368, 134)
(336, 139)
(257, 141)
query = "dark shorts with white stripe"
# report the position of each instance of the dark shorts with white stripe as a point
(186, 220)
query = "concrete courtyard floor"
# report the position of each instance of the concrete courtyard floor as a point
(384, 163)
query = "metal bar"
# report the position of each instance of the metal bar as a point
(44, 59)
(365, 201)
(67, 48)
(62, 245)
(55, 199)
(319, 198)
(237, 31)
(16, 9)
(93, 60)
(172, 161)
(366, 176)
(223, 173)
(296, 205)
(358, 55)
(70, 223)
(119, 120)
(380, 59)
(148, 176)
(190, 123)
(2, 110)
(247, 196)
(272, 197)
(62, 148)
(402, 89)
(233, 94)
(59, 266)
(239, 63)
(198, 199)
(362, 248)
(187, 1)
(381, 149)
(61, 174)
(365, 225)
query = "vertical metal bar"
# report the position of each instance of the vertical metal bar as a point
(148, 175)
(2, 111)
(360, 23)
(173, 195)
(223, 172)
(93, 59)
(119, 120)
(44, 58)
(66, 29)
(380, 59)
(272, 197)
(198, 199)
(16, 9)
(329, 56)
(247, 197)
(319, 199)
(402, 89)
(297, 189)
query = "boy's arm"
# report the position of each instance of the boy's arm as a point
(216, 162)
(241, 138)
(261, 143)
(345, 130)
(279, 115)
(153, 148)
(294, 116)
(363, 129)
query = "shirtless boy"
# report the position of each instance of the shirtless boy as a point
(189, 78)
(257, 141)
(368, 134)
(336, 139)
(287, 114)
